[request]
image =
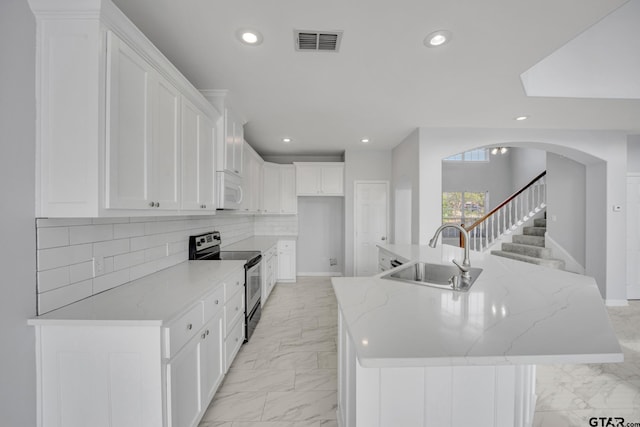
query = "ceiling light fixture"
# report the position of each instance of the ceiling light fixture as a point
(365, 140)
(501, 150)
(437, 38)
(521, 118)
(249, 37)
(287, 140)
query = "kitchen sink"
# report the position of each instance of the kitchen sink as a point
(435, 275)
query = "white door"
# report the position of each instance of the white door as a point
(633, 236)
(371, 224)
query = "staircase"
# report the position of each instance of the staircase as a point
(529, 246)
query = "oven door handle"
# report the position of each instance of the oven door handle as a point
(253, 262)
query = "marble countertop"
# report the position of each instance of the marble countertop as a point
(155, 299)
(257, 243)
(515, 313)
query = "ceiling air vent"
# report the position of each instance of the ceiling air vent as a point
(318, 41)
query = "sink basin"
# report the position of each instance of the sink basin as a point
(435, 275)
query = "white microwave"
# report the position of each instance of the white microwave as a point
(229, 190)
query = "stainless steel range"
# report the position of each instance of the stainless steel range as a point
(206, 246)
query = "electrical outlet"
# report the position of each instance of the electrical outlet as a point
(617, 208)
(98, 266)
(333, 261)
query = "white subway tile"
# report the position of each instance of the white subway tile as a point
(155, 253)
(108, 265)
(63, 256)
(127, 260)
(142, 270)
(60, 297)
(111, 248)
(90, 233)
(144, 242)
(128, 230)
(51, 237)
(109, 220)
(80, 272)
(52, 279)
(109, 281)
(61, 222)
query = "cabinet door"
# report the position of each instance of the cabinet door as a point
(212, 361)
(206, 163)
(308, 179)
(128, 140)
(189, 150)
(229, 141)
(238, 149)
(183, 386)
(248, 188)
(256, 180)
(271, 181)
(165, 177)
(332, 180)
(287, 260)
(288, 198)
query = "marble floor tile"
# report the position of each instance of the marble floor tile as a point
(238, 406)
(276, 424)
(259, 380)
(288, 359)
(316, 379)
(300, 406)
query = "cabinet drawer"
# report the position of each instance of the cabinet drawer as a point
(233, 285)
(182, 330)
(233, 310)
(233, 342)
(213, 304)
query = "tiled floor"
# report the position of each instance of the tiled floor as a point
(286, 376)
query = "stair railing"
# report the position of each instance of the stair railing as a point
(508, 215)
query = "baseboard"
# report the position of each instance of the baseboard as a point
(616, 302)
(570, 263)
(321, 274)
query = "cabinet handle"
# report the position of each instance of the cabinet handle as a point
(237, 308)
(237, 339)
(157, 204)
(203, 336)
(152, 204)
(217, 302)
(189, 326)
(207, 332)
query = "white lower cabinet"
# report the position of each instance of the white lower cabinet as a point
(154, 375)
(286, 261)
(269, 272)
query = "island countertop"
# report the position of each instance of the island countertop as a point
(515, 313)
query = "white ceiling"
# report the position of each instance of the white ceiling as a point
(384, 82)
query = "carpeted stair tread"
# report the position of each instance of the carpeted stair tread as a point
(534, 231)
(528, 250)
(540, 222)
(551, 263)
(528, 240)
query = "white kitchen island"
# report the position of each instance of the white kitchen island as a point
(412, 355)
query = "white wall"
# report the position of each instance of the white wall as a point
(587, 147)
(361, 166)
(566, 205)
(633, 153)
(479, 177)
(17, 224)
(526, 164)
(405, 182)
(321, 235)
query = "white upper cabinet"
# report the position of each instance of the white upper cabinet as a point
(230, 134)
(252, 180)
(142, 139)
(319, 179)
(198, 167)
(109, 138)
(279, 192)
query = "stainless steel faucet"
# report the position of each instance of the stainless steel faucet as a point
(466, 264)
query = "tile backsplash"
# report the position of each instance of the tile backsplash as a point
(276, 225)
(124, 249)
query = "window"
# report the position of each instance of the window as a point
(477, 155)
(462, 207)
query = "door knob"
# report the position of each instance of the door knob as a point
(384, 238)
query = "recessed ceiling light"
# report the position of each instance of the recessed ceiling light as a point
(437, 38)
(365, 140)
(286, 139)
(521, 118)
(249, 37)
